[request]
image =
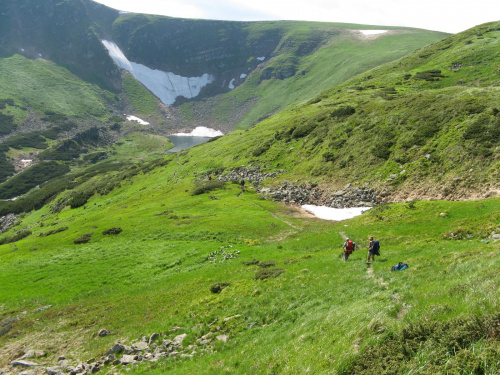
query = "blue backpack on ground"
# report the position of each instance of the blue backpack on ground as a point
(399, 267)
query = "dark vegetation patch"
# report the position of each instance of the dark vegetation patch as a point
(164, 213)
(78, 199)
(19, 141)
(51, 232)
(7, 124)
(218, 287)
(267, 273)
(6, 168)
(463, 345)
(30, 178)
(202, 187)
(262, 148)
(114, 230)
(267, 263)
(430, 75)
(84, 238)
(15, 237)
(343, 112)
(95, 157)
(251, 262)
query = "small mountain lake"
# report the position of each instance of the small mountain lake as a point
(182, 142)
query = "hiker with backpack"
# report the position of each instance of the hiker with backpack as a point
(349, 246)
(373, 249)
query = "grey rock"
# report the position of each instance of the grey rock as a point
(117, 348)
(128, 359)
(23, 363)
(53, 371)
(153, 337)
(179, 339)
(222, 338)
(103, 332)
(33, 354)
(496, 236)
(166, 343)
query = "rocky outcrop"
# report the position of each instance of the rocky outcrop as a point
(6, 222)
(248, 174)
(308, 194)
(305, 193)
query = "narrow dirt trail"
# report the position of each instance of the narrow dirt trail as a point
(273, 215)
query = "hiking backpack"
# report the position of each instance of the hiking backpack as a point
(376, 248)
(349, 247)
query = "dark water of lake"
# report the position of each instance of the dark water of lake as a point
(182, 142)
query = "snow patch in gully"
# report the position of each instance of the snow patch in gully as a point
(166, 86)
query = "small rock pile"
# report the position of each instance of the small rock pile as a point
(289, 193)
(307, 194)
(6, 222)
(147, 349)
(248, 174)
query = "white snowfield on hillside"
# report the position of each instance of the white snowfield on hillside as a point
(372, 32)
(337, 214)
(202, 131)
(165, 85)
(137, 119)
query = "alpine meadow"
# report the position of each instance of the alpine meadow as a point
(118, 256)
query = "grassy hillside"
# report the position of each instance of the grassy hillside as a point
(257, 286)
(419, 127)
(319, 314)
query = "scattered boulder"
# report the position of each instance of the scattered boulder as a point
(222, 338)
(103, 332)
(128, 359)
(23, 363)
(140, 346)
(179, 339)
(117, 348)
(53, 371)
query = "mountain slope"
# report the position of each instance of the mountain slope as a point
(232, 282)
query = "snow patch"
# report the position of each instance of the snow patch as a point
(372, 32)
(202, 131)
(137, 119)
(337, 214)
(26, 161)
(243, 76)
(231, 84)
(261, 58)
(166, 86)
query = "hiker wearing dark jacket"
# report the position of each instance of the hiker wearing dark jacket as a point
(371, 250)
(348, 247)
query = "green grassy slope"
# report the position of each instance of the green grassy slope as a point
(342, 57)
(318, 315)
(321, 314)
(396, 128)
(43, 86)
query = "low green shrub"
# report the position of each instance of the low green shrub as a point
(218, 287)
(429, 75)
(267, 273)
(114, 230)
(202, 187)
(51, 232)
(16, 237)
(343, 112)
(7, 124)
(84, 238)
(31, 177)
